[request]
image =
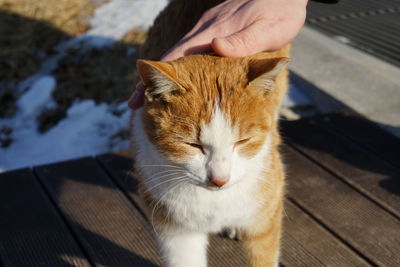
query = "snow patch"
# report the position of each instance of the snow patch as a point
(87, 130)
(38, 97)
(114, 19)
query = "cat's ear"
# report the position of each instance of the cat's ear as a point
(158, 79)
(263, 72)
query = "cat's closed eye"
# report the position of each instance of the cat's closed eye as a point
(197, 146)
(242, 141)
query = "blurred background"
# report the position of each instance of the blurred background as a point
(66, 71)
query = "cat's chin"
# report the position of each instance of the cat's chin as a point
(214, 187)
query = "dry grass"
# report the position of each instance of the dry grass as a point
(68, 16)
(29, 30)
(101, 74)
(104, 75)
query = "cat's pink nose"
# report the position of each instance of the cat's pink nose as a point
(219, 181)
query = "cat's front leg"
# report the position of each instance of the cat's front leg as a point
(180, 248)
(263, 249)
(262, 241)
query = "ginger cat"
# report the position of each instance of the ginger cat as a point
(206, 144)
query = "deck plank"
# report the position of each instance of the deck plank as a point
(31, 231)
(120, 168)
(306, 243)
(366, 134)
(365, 171)
(110, 228)
(359, 222)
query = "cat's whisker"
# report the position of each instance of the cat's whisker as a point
(157, 202)
(168, 190)
(161, 165)
(163, 182)
(166, 181)
(154, 176)
(165, 171)
(174, 185)
(163, 176)
(285, 214)
(152, 216)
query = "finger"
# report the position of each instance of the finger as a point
(255, 38)
(186, 49)
(137, 98)
(197, 41)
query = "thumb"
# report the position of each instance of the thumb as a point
(248, 41)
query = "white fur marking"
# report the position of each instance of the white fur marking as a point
(218, 138)
(183, 249)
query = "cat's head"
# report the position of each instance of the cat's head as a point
(213, 116)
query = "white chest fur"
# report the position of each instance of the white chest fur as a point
(210, 211)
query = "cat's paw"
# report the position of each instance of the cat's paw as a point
(231, 233)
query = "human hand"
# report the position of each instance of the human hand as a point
(238, 28)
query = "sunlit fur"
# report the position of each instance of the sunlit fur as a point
(207, 116)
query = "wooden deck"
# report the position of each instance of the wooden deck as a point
(342, 208)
